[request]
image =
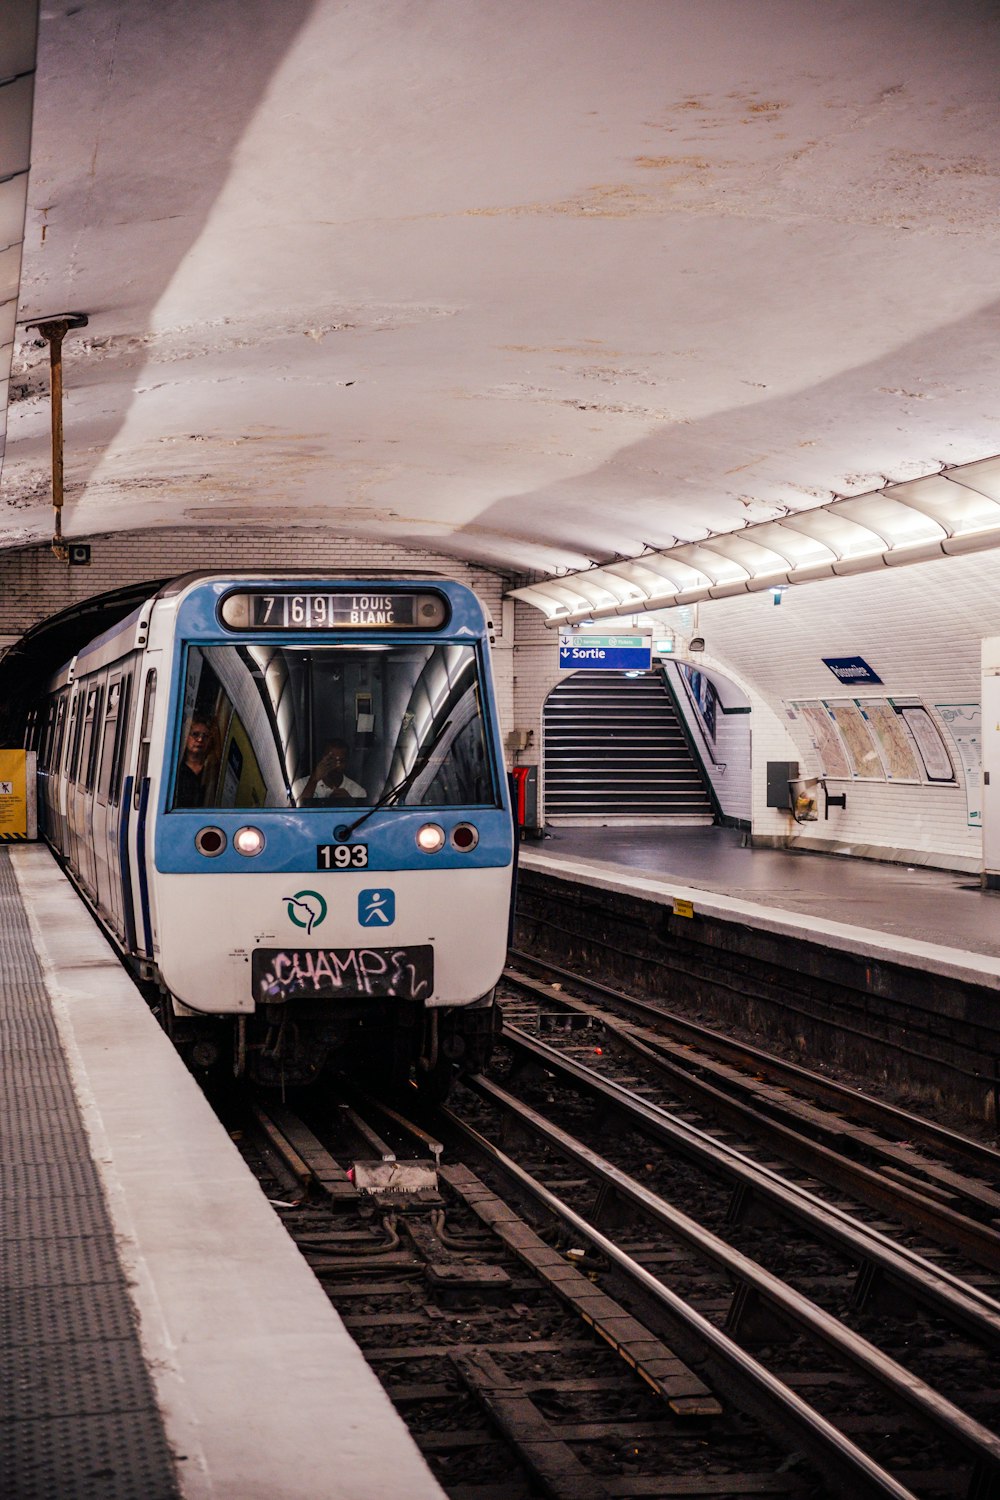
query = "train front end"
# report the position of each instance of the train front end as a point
(333, 836)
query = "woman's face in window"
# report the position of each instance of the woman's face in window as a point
(197, 739)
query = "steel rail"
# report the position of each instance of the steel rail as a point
(778, 992)
(848, 1467)
(778, 1069)
(969, 1307)
(952, 1228)
(979, 1442)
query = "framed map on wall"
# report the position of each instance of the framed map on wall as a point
(856, 734)
(896, 747)
(931, 748)
(833, 758)
(878, 739)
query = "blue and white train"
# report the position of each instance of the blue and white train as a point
(284, 798)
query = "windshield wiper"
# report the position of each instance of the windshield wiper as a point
(343, 833)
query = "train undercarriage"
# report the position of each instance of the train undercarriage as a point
(291, 1044)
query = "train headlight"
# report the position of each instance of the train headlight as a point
(248, 841)
(210, 841)
(464, 836)
(430, 838)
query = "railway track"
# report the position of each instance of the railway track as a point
(640, 1259)
(518, 1375)
(945, 1183)
(891, 1335)
(931, 1039)
(555, 1323)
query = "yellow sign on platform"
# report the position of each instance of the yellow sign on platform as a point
(17, 796)
(683, 908)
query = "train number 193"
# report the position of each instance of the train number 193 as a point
(341, 856)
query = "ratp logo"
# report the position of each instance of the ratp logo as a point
(306, 909)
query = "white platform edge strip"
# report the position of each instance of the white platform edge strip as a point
(888, 947)
(260, 1386)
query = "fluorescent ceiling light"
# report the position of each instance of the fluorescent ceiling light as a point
(938, 516)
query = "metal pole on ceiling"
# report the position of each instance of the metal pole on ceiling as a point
(54, 330)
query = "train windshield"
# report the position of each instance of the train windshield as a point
(321, 726)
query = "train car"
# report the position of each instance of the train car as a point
(284, 798)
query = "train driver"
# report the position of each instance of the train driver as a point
(328, 783)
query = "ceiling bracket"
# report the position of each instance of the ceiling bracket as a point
(54, 330)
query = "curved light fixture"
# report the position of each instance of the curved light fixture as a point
(940, 515)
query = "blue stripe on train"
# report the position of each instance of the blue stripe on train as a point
(292, 838)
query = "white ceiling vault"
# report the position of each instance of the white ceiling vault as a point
(549, 285)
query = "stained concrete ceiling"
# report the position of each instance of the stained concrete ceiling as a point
(535, 283)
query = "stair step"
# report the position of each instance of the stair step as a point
(614, 747)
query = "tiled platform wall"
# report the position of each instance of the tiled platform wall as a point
(34, 584)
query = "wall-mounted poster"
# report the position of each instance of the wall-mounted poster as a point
(931, 747)
(964, 722)
(899, 755)
(703, 696)
(861, 748)
(833, 761)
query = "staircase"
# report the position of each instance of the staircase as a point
(614, 750)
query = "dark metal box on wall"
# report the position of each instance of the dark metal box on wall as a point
(779, 774)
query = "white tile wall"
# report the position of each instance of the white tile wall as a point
(35, 585)
(919, 628)
(729, 772)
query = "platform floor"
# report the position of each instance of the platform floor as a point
(160, 1334)
(935, 918)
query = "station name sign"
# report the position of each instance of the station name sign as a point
(850, 669)
(608, 653)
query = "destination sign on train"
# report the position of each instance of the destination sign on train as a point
(347, 610)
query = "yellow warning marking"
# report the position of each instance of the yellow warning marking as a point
(683, 908)
(13, 794)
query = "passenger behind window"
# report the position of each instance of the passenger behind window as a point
(328, 783)
(199, 762)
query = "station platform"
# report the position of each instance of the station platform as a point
(938, 921)
(160, 1334)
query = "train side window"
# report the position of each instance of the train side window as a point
(109, 738)
(42, 734)
(121, 739)
(33, 739)
(91, 737)
(75, 734)
(48, 748)
(57, 746)
(145, 731)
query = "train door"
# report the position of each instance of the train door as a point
(135, 811)
(69, 795)
(105, 810)
(119, 815)
(55, 786)
(90, 744)
(43, 739)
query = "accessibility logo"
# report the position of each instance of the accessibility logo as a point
(377, 908)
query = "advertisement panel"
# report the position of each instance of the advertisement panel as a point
(17, 796)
